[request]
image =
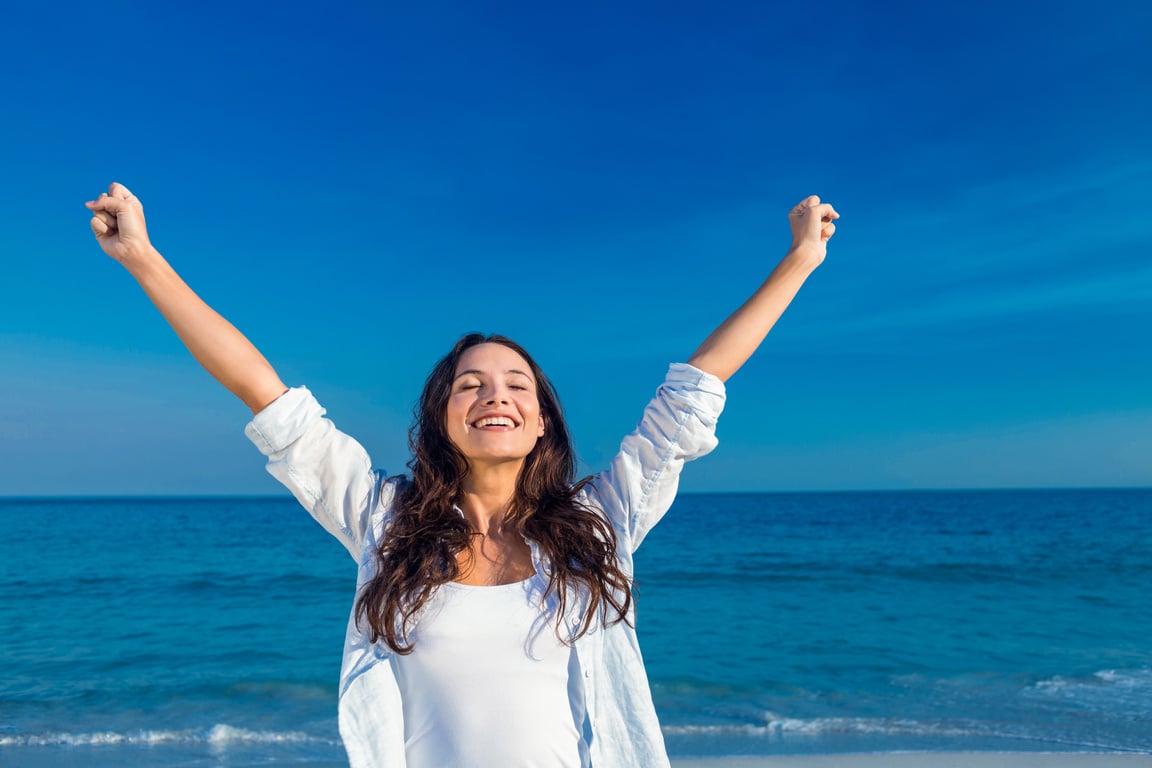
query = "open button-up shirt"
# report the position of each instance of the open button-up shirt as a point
(332, 476)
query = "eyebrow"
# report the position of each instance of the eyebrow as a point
(475, 372)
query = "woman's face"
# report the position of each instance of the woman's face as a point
(493, 410)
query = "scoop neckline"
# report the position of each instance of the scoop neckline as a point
(522, 582)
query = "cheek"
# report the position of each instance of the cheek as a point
(454, 417)
(457, 408)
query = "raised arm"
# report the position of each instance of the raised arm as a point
(118, 223)
(730, 345)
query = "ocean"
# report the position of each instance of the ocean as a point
(208, 632)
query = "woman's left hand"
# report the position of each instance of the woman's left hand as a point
(812, 227)
(730, 345)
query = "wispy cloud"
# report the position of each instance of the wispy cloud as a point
(1073, 240)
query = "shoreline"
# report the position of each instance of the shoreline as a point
(116, 756)
(928, 760)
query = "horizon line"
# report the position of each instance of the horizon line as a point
(779, 492)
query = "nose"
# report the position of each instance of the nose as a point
(497, 395)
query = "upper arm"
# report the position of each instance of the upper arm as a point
(326, 470)
(678, 425)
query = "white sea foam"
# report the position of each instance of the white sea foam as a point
(219, 735)
(1115, 691)
(774, 725)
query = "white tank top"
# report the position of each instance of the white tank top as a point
(489, 685)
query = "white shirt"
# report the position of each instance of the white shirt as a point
(332, 476)
(486, 684)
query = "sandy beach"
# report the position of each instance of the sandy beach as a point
(143, 758)
(929, 760)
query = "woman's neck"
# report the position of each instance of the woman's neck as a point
(498, 555)
(487, 495)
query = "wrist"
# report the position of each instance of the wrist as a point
(806, 256)
(142, 261)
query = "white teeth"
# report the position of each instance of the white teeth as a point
(495, 421)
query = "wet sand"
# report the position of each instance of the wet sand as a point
(930, 760)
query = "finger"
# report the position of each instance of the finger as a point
(113, 205)
(826, 212)
(827, 231)
(108, 218)
(116, 189)
(99, 228)
(804, 205)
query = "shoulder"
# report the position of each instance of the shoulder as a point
(389, 490)
(392, 487)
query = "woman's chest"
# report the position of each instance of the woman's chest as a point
(492, 561)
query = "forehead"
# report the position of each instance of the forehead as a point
(492, 359)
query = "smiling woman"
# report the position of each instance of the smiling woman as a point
(493, 624)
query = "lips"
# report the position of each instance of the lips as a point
(494, 421)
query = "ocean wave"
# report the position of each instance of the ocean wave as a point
(1132, 679)
(774, 725)
(1115, 691)
(219, 735)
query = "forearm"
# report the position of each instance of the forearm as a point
(215, 343)
(738, 337)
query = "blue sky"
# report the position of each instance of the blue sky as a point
(355, 186)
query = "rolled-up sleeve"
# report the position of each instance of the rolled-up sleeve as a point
(678, 425)
(327, 471)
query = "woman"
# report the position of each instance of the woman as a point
(493, 620)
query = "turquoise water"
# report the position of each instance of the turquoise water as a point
(208, 631)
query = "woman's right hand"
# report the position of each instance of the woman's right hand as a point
(813, 224)
(118, 223)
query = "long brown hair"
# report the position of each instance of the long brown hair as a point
(418, 551)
